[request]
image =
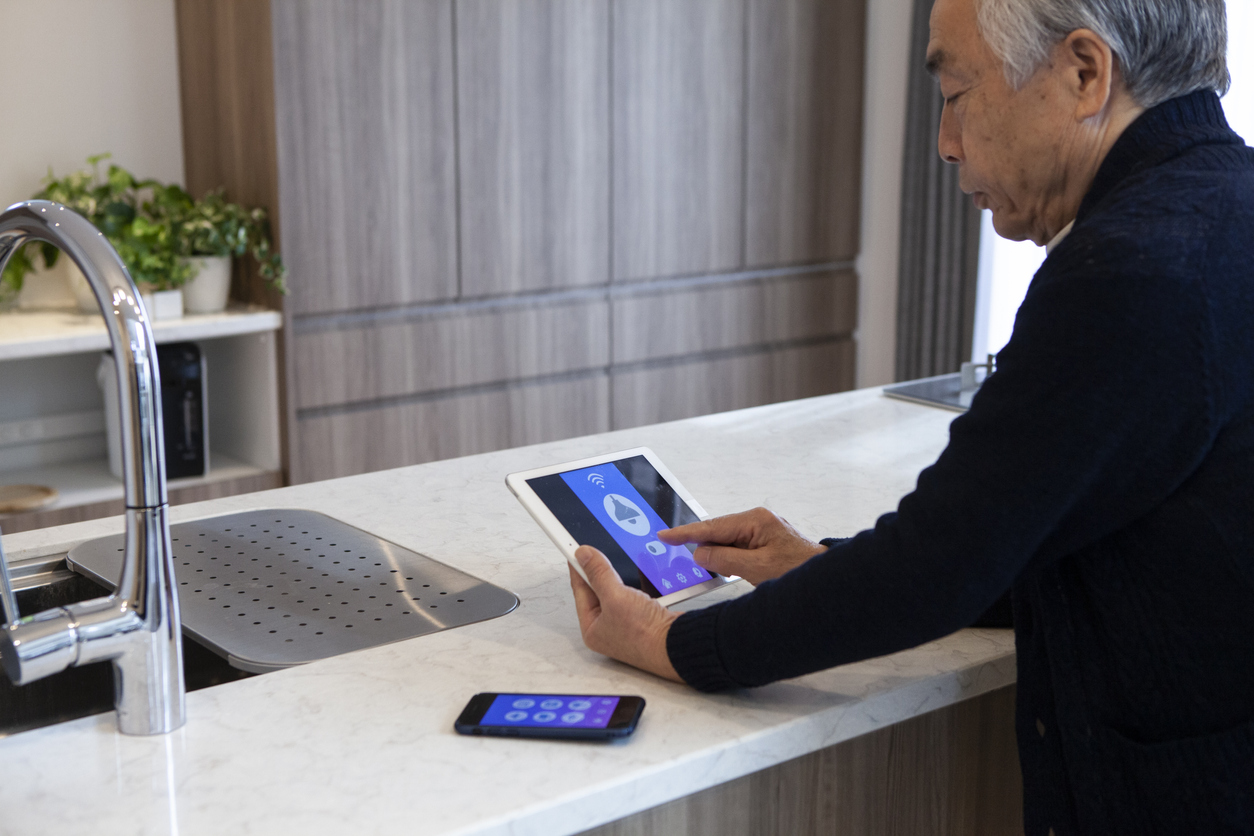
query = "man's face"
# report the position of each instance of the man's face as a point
(1009, 144)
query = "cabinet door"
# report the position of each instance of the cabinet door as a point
(533, 144)
(343, 442)
(650, 394)
(678, 110)
(364, 111)
(804, 131)
(734, 316)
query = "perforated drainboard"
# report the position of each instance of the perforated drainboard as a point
(275, 588)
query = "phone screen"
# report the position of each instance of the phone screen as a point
(561, 716)
(618, 507)
(550, 711)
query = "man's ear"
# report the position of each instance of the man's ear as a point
(1089, 71)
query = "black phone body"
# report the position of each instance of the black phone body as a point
(562, 716)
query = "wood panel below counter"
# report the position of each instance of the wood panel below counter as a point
(953, 772)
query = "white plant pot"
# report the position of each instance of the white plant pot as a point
(79, 286)
(54, 287)
(208, 290)
(164, 304)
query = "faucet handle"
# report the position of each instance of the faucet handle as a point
(8, 601)
(35, 647)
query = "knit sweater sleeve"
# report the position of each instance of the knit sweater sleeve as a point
(1101, 406)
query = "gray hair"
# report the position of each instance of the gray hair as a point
(1164, 48)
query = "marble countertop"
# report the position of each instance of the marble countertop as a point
(363, 743)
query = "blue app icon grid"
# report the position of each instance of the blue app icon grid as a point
(550, 711)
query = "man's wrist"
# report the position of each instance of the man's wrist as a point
(660, 660)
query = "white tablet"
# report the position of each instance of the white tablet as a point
(617, 503)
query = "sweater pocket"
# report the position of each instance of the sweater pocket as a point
(1191, 785)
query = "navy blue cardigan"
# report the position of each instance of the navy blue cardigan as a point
(1105, 472)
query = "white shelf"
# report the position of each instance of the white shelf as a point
(26, 334)
(87, 482)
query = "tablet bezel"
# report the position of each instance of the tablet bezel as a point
(566, 544)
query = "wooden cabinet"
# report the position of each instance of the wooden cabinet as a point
(366, 152)
(679, 105)
(533, 144)
(511, 221)
(803, 131)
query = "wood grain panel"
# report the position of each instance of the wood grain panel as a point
(804, 130)
(443, 352)
(678, 115)
(533, 134)
(227, 102)
(226, 86)
(699, 387)
(459, 425)
(364, 94)
(733, 315)
(953, 772)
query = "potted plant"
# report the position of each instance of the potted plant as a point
(206, 234)
(112, 204)
(159, 239)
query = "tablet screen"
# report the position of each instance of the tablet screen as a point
(618, 507)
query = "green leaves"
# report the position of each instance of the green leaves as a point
(214, 226)
(154, 236)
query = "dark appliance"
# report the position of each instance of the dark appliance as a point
(184, 409)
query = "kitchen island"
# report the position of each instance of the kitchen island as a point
(363, 743)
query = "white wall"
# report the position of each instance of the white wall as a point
(85, 76)
(883, 133)
(1007, 267)
(1239, 103)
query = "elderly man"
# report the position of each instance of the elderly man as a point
(1104, 473)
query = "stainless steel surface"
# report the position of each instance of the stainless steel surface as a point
(137, 627)
(8, 602)
(274, 588)
(944, 391)
(38, 571)
(44, 583)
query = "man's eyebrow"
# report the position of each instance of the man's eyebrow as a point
(936, 61)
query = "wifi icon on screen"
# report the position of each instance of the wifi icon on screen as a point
(597, 479)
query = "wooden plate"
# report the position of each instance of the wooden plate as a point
(17, 498)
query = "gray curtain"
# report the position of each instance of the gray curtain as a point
(940, 235)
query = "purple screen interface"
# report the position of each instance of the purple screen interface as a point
(634, 524)
(550, 711)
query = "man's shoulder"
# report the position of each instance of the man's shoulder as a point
(1206, 185)
(1168, 220)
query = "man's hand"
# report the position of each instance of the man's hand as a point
(618, 621)
(756, 545)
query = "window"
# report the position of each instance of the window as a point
(1007, 267)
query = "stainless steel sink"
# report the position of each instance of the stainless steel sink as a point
(86, 690)
(259, 591)
(279, 587)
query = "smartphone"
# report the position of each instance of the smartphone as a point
(563, 716)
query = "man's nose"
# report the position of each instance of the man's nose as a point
(949, 140)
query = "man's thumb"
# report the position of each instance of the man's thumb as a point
(596, 566)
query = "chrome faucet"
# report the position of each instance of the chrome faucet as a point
(137, 627)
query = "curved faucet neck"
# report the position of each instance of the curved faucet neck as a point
(130, 334)
(138, 628)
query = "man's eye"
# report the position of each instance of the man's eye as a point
(951, 99)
